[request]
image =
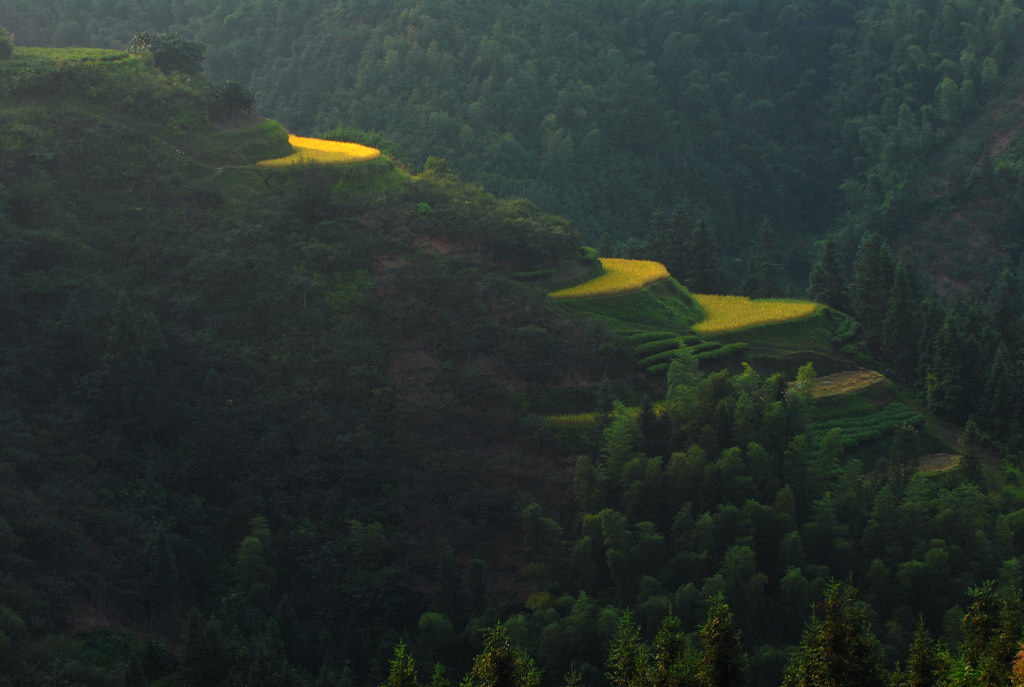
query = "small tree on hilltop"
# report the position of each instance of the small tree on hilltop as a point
(230, 99)
(170, 52)
(6, 43)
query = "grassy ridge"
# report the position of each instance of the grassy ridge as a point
(664, 305)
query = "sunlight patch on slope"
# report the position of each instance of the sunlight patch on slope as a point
(728, 313)
(318, 150)
(620, 276)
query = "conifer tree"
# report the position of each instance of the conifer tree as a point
(705, 274)
(401, 669)
(901, 325)
(932, 319)
(826, 284)
(970, 460)
(1004, 301)
(1001, 393)
(943, 388)
(502, 665)
(668, 653)
(838, 649)
(924, 667)
(723, 660)
(627, 656)
(676, 254)
(763, 278)
(902, 456)
(658, 237)
(980, 622)
(872, 277)
(202, 662)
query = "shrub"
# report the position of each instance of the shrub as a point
(230, 99)
(170, 52)
(6, 43)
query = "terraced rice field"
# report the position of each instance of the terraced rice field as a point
(729, 313)
(318, 150)
(620, 276)
(846, 382)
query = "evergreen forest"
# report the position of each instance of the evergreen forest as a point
(642, 344)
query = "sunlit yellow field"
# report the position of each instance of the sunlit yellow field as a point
(323, 152)
(620, 276)
(726, 313)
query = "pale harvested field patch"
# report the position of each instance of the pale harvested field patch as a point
(846, 382)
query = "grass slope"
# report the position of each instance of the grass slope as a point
(663, 305)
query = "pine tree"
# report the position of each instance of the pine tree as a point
(1000, 388)
(439, 676)
(902, 455)
(764, 273)
(702, 253)
(723, 660)
(1004, 301)
(502, 665)
(826, 284)
(970, 460)
(872, 277)
(838, 649)
(980, 622)
(901, 326)
(924, 667)
(401, 669)
(657, 239)
(627, 656)
(676, 255)
(668, 653)
(621, 439)
(943, 390)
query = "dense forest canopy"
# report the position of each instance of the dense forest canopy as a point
(324, 425)
(816, 115)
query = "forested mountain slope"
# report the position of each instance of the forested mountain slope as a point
(314, 403)
(194, 347)
(732, 111)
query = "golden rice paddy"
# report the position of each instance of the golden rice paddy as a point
(728, 313)
(620, 276)
(320, 151)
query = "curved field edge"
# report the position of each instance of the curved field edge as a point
(619, 276)
(727, 314)
(322, 151)
(663, 305)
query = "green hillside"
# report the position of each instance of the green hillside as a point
(818, 117)
(292, 426)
